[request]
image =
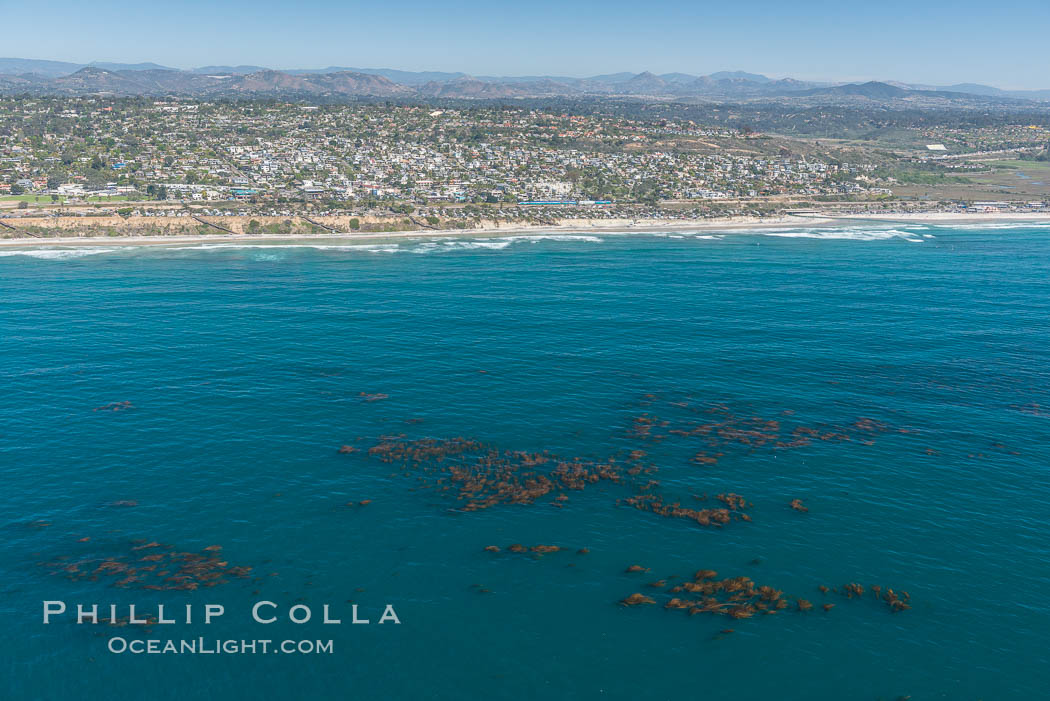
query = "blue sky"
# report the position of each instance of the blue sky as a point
(928, 41)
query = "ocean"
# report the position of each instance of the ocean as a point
(173, 423)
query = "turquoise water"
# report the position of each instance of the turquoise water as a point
(245, 366)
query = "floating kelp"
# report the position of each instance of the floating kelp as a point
(418, 452)
(123, 503)
(152, 566)
(1031, 408)
(642, 427)
(519, 548)
(895, 601)
(724, 430)
(483, 476)
(741, 597)
(733, 597)
(479, 475)
(705, 517)
(734, 501)
(115, 406)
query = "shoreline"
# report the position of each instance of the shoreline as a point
(572, 226)
(582, 227)
(948, 217)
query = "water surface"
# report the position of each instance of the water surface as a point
(244, 367)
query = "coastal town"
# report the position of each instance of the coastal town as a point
(385, 166)
(574, 351)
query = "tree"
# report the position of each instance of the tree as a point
(355, 223)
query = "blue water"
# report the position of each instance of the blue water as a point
(244, 368)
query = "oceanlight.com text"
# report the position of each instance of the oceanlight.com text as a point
(203, 646)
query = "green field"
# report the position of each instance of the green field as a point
(1005, 180)
(1041, 168)
(1016, 177)
(25, 198)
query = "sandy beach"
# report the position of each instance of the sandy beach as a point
(949, 217)
(609, 226)
(728, 224)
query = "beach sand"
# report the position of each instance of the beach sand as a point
(950, 217)
(566, 226)
(608, 226)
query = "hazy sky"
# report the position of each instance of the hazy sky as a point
(928, 41)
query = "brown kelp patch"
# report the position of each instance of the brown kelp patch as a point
(520, 549)
(894, 601)
(742, 597)
(481, 476)
(150, 565)
(717, 430)
(115, 406)
(653, 503)
(732, 597)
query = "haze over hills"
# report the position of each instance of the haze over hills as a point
(18, 75)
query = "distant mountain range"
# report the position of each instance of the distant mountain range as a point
(19, 75)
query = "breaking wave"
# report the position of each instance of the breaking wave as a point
(850, 234)
(56, 253)
(980, 226)
(424, 245)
